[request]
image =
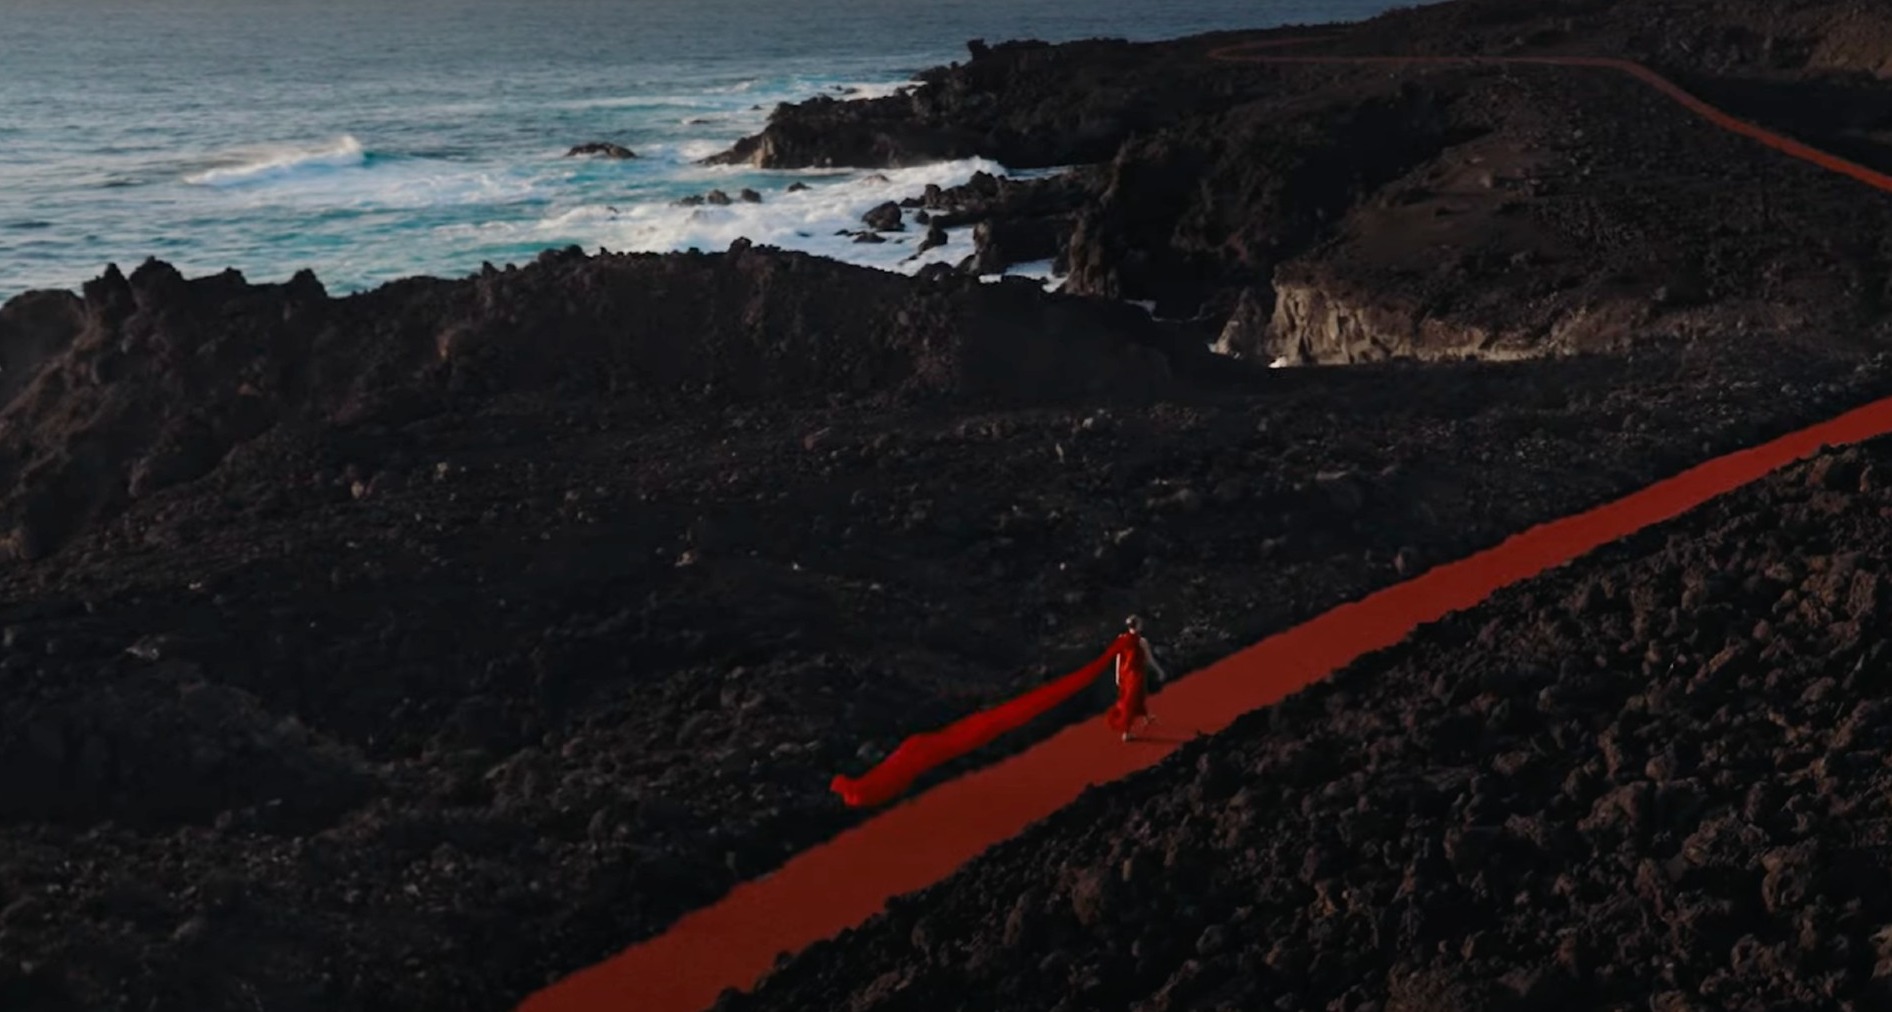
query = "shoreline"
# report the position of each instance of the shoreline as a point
(960, 242)
(419, 647)
(241, 170)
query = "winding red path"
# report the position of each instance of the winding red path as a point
(839, 884)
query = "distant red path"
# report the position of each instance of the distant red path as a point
(1244, 53)
(841, 883)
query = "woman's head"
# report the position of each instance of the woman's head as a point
(1133, 623)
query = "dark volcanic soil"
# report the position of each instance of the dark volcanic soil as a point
(410, 650)
(1654, 779)
(426, 706)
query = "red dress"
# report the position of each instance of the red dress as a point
(1129, 707)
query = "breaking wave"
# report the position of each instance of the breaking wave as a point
(277, 161)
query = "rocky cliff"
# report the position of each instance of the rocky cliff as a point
(1509, 209)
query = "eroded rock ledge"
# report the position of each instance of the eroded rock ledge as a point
(1313, 325)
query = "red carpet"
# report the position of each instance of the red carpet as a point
(845, 881)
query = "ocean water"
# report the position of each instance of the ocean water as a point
(377, 139)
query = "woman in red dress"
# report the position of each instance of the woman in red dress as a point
(1135, 662)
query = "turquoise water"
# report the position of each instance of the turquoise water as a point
(376, 139)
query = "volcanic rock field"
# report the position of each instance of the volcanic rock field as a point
(417, 648)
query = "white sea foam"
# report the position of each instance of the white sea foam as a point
(275, 161)
(736, 102)
(808, 220)
(868, 89)
(697, 150)
(341, 175)
(1044, 271)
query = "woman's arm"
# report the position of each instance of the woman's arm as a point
(1156, 667)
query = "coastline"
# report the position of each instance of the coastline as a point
(417, 647)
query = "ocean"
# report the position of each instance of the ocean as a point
(377, 139)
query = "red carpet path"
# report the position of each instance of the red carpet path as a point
(845, 881)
